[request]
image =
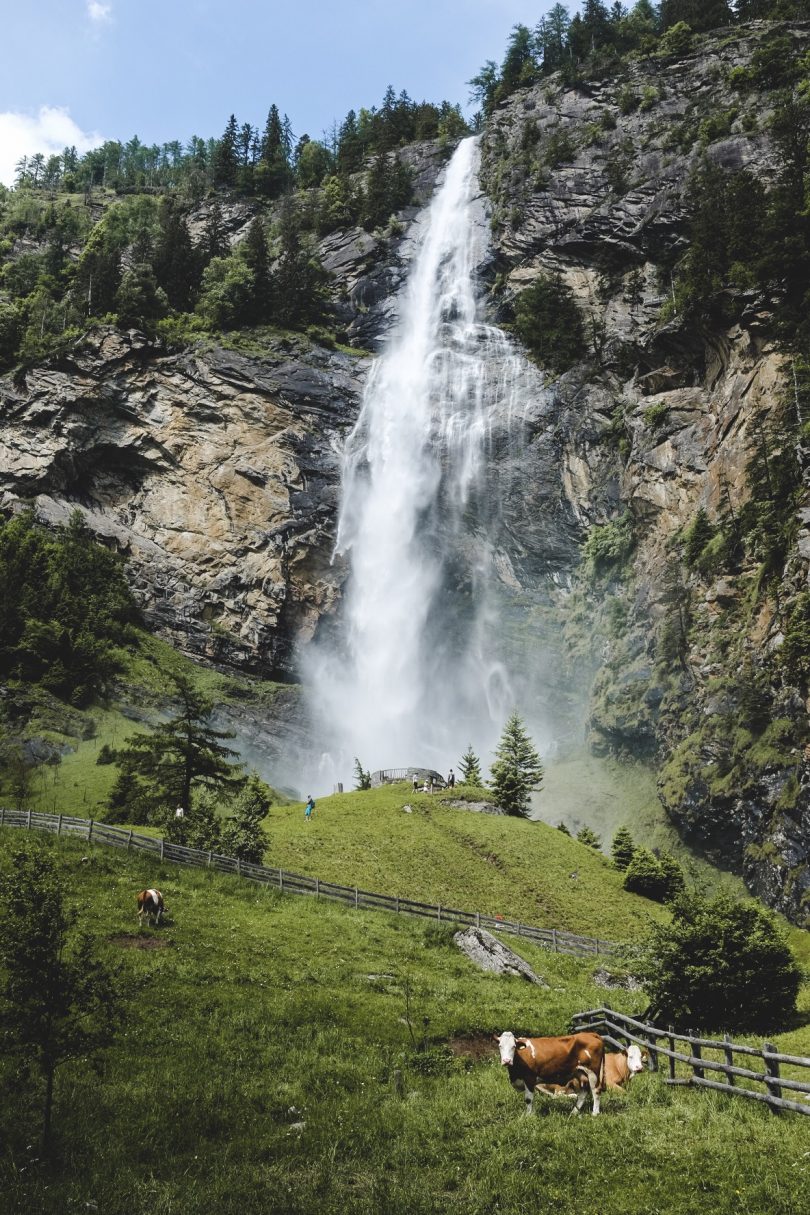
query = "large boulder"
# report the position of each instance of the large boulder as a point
(490, 954)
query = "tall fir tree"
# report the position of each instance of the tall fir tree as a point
(226, 155)
(517, 769)
(469, 767)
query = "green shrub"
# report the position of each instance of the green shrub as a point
(608, 547)
(720, 965)
(589, 838)
(548, 321)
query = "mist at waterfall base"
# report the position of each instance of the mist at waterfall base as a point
(419, 666)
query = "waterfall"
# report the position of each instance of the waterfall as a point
(417, 672)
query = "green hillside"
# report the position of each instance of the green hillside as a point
(476, 862)
(281, 1055)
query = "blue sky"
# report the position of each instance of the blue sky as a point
(80, 70)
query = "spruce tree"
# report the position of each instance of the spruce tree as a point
(469, 767)
(622, 848)
(179, 755)
(226, 155)
(256, 256)
(517, 769)
(589, 838)
(214, 240)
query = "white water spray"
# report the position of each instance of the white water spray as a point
(418, 673)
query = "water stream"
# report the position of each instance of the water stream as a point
(418, 671)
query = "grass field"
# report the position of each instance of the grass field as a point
(282, 1055)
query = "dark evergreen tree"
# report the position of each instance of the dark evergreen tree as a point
(176, 262)
(362, 777)
(226, 155)
(139, 301)
(470, 768)
(255, 253)
(214, 240)
(519, 66)
(622, 848)
(699, 15)
(588, 837)
(517, 769)
(180, 755)
(350, 145)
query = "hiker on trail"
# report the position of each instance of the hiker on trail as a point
(451, 779)
(415, 783)
(310, 806)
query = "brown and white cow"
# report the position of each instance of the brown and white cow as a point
(150, 904)
(537, 1062)
(621, 1067)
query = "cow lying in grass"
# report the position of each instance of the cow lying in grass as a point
(619, 1071)
(150, 904)
(538, 1062)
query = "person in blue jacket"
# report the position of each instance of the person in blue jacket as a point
(310, 806)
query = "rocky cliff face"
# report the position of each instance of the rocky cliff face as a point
(662, 419)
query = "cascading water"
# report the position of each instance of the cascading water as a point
(417, 673)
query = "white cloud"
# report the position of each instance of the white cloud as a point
(99, 13)
(51, 130)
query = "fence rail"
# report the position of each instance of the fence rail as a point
(616, 1025)
(296, 883)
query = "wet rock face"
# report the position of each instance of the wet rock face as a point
(216, 474)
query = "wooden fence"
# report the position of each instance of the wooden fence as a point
(295, 883)
(619, 1029)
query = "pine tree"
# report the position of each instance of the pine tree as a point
(57, 1000)
(226, 155)
(622, 848)
(176, 262)
(469, 767)
(696, 537)
(589, 838)
(256, 256)
(517, 769)
(362, 777)
(214, 240)
(181, 754)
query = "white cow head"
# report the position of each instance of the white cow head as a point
(507, 1045)
(635, 1062)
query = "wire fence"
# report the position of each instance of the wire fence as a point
(780, 1072)
(94, 832)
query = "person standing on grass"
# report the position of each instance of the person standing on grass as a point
(451, 780)
(310, 806)
(415, 783)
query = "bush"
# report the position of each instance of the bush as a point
(549, 323)
(720, 965)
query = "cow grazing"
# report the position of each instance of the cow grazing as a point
(620, 1068)
(548, 1063)
(150, 904)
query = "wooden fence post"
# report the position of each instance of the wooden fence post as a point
(90, 833)
(554, 938)
(281, 879)
(59, 826)
(2, 816)
(772, 1068)
(696, 1050)
(129, 839)
(672, 1048)
(652, 1042)
(210, 857)
(478, 919)
(356, 897)
(439, 913)
(238, 867)
(729, 1053)
(29, 820)
(317, 888)
(397, 904)
(161, 847)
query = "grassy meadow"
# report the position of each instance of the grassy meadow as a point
(283, 1055)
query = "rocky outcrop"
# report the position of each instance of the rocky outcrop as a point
(215, 473)
(490, 954)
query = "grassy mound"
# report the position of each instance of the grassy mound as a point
(283, 1055)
